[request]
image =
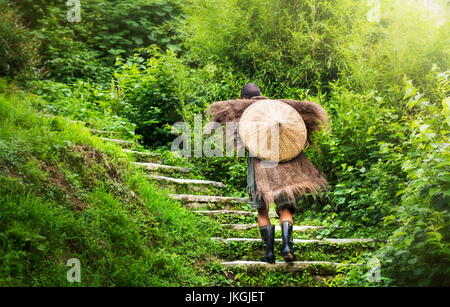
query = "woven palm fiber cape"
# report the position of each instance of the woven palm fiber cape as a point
(287, 181)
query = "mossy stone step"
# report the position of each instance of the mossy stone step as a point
(212, 202)
(277, 228)
(122, 143)
(252, 231)
(103, 132)
(209, 199)
(305, 249)
(180, 185)
(260, 274)
(226, 216)
(144, 156)
(302, 241)
(231, 212)
(161, 169)
(317, 267)
(157, 166)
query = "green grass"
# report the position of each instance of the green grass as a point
(65, 194)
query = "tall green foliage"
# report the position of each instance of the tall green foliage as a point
(87, 49)
(410, 38)
(418, 252)
(18, 47)
(159, 89)
(285, 43)
(309, 43)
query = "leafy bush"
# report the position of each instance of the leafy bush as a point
(283, 43)
(84, 101)
(418, 252)
(108, 29)
(409, 40)
(159, 89)
(306, 44)
(18, 47)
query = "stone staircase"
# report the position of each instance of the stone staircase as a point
(238, 241)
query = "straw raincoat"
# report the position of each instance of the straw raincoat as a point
(287, 181)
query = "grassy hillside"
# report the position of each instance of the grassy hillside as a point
(66, 194)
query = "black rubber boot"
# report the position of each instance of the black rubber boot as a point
(268, 237)
(287, 246)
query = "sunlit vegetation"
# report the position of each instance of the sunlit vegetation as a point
(136, 67)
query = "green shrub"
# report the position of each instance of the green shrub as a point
(159, 89)
(400, 183)
(283, 43)
(87, 50)
(18, 47)
(409, 40)
(97, 106)
(418, 253)
(306, 44)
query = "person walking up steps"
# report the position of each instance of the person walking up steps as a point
(278, 171)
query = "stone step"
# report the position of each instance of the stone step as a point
(73, 121)
(78, 122)
(206, 202)
(207, 199)
(231, 212)
(162, 167)
(122, 143)
(187, 181)
(277, 228)
(186, 186)
(337, 250)
(299, 241)
(102, 132)
(295, 266)
(144, 156)
(143, 153)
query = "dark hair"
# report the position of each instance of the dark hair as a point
(250, 90)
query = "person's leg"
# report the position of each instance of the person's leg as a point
(286, 224)
(286, 215)
(263, 216)
(267, 232)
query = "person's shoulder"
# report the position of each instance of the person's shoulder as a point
(311, 112)
(225, 104)
(228, 110)
(301, 103)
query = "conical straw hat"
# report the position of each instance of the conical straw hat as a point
(272, 130)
